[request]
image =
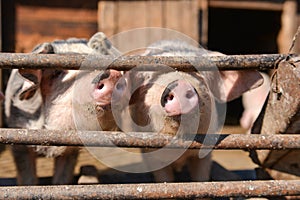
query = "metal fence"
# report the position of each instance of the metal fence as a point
(258, 188)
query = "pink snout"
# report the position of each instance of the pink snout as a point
(103, 86)
(179, 98)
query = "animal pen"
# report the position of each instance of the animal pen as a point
(286, 144)
(274, 144)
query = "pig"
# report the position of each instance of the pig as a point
(46, 99)
(253, 102)
(176, 103)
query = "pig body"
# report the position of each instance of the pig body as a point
(37, 99)
(253, 102)
(178, 103)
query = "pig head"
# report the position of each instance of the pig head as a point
(37, 99)
(178, 103)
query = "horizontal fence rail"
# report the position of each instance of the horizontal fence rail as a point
(155, 191)
(125, 63)
(148, 139)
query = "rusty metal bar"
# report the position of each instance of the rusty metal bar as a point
(148, 139)
(125, 63)
(155, 191)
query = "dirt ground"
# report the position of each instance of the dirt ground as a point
(230, 159)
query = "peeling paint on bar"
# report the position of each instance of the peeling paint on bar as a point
(156, 191)
(148, 139)
(124, 63)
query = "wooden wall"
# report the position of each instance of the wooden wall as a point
(119, 16)
(41, 21)
(29, 22)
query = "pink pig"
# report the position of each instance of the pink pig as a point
(47, 99)
(176, 103)
(253, 102)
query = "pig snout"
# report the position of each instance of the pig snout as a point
(179, 98)
(104, 85)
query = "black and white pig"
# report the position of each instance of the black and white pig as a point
(46, 99)
(176, 103)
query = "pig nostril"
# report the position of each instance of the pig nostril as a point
(189, 94)
(170, 97)
(100, 86)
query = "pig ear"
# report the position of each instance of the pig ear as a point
(229, 85)
(31, 82)
(100, 43)
(235, 83)
(32, 78)
(44, 48)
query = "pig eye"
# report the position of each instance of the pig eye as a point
(189, 94)
(119, 86)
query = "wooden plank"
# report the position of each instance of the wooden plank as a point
(288, 26)
(117, 16)
(154, 15)
(189, 20)
(131, 15)
(40, 13)
(90, 4)
(203, 22)
(107, 17)
(172, 15)
(56, 29)
(154, 18)
(250, 5)
(182, 16)
(36, 24)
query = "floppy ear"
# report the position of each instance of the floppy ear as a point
(32, 77)
(229, 85)
(100, 43)
(237, 82)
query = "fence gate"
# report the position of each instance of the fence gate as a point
(273, 143)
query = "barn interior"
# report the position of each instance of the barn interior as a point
(228, 28)
(242, 31)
